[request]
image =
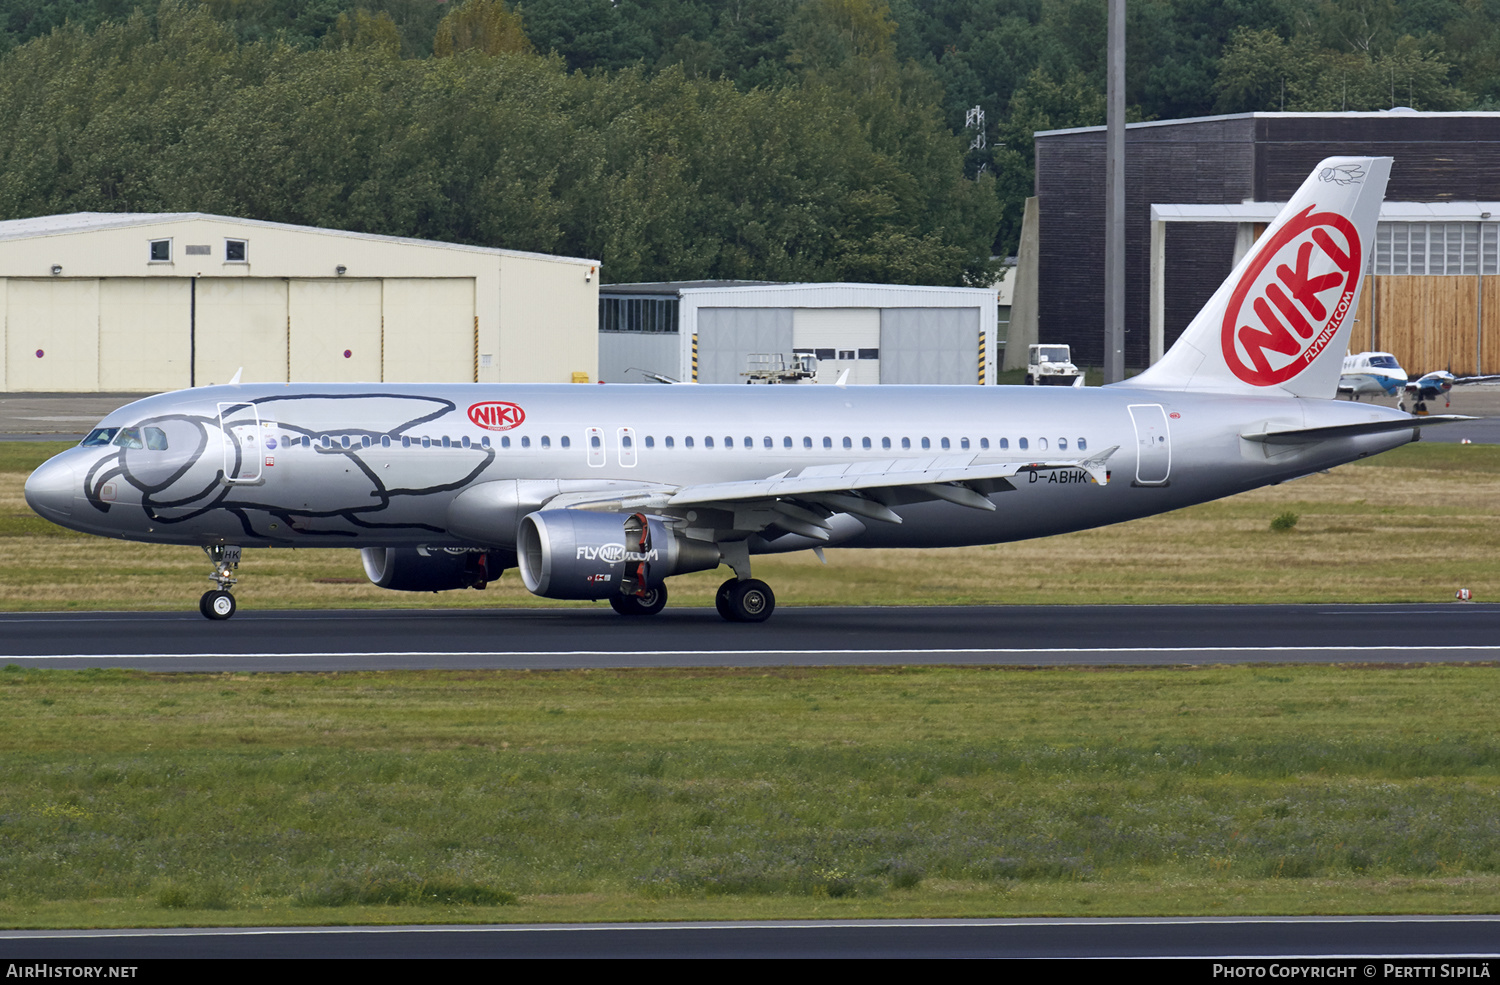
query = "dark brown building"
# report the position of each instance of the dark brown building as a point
(1232, 160)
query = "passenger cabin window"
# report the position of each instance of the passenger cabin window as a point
(945, 444)
(847, 442)
(385, 441)
(984, 443)
(926, 443)
(905, 444)
(505, 441)
(807, 442)
(687, 442)
(669, 441)
(484, 442)
(650, 441)
(1021, 444)
(1004, 442)
(827, 442)
(885, 443)
(526, 441)
(1082, 445)
(1062, 444)
(426, 441)
(708, 442)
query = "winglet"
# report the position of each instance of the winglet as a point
(236, 380)
(843, 378)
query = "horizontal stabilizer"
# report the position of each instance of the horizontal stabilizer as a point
(1299, 436)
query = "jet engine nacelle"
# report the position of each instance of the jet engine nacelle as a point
(423, 569)
(574, 554)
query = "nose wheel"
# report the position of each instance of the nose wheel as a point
(750, 600)
(218, 603)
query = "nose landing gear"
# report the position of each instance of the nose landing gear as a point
(219, 603)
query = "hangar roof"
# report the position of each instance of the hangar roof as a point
(84, 222)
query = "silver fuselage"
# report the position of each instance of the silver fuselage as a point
(376, 465)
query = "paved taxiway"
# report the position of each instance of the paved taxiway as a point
(1022, 635)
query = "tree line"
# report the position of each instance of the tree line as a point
(751, 139)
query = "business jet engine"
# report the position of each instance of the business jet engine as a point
(433, 569)
(575, 554)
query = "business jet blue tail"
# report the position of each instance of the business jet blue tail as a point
(1280, 324)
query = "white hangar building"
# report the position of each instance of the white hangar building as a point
(723, 331)
(160, 301)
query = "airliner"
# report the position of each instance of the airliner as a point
(604, 492)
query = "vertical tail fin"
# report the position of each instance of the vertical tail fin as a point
(1280, 324)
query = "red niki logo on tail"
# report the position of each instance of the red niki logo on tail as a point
(1285, 311)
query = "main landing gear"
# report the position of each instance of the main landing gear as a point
(648, 603)
(747, 600)
(219, 604)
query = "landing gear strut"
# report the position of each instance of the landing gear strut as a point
(747, 600)
(219, 604)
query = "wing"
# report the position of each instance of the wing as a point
(803, 503)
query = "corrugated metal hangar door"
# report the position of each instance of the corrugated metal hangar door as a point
(335, 330)
(51, 334)
(430, 333)
(144, 328)
(166, 333)
(241, 326)
(929, 345)
(728, 337)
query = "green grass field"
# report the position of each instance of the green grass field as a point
(133, 798)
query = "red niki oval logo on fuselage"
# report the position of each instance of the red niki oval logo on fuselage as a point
(496, 415)
(1291, 301)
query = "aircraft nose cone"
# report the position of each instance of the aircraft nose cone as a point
(51, 488)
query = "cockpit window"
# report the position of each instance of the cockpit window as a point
(130, 438)
(1385, 362)
(156, 439)
(100, 436)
